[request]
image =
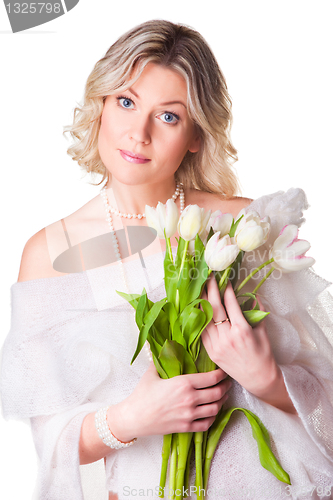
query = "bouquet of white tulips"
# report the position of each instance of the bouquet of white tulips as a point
(208, 242)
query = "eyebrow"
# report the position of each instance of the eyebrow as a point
(162, 103)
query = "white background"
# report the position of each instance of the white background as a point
(277, 60)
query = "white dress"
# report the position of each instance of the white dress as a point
(69, 350)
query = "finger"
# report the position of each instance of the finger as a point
(214, 298)
(213, 394)
(233, 308)
(207, 379)
(261, 306)
(208, 411)
(206, 338)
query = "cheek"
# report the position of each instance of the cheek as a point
(178, 146)
(106, 137)
(101, 141)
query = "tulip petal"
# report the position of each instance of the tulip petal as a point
(292, 265)
(222, 223)
(222, 259)
(190, 222)
(152, 220)
(299, 247)
(171, 218)
(286, 237)
(250, 238)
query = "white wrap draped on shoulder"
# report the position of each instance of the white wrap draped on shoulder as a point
(69, 350)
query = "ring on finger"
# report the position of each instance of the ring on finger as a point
(220, 322)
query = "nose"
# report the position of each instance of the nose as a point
(140, 130)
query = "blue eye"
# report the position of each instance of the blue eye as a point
(170, 118)
(125, 102)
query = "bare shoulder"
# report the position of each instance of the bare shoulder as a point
(211, 201)
(42, 249)
(36, 261)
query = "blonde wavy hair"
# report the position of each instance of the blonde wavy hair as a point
(185, 51)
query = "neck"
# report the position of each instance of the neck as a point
(134, 198)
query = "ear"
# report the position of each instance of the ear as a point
(195, 143)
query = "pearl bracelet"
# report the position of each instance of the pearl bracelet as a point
(104, 432)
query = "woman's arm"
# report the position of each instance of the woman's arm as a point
(181, 404)
(187, 403)
(243, 352)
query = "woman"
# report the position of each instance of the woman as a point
(155, 124)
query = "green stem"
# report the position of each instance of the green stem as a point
(204, 443)
(183, 258)
(263, 280)
(187, 471)
(173, 467)
(185, 439)
(198, 440)
(252, 274)
(177, 302)
(223, 277)
(206, 472)
(167, 439)
(169, 249)
(180, 271)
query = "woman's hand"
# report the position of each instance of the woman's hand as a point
(243, 352)
(187, 403)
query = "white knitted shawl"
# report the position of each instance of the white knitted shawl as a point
(68, 353)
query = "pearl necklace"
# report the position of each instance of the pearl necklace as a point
(109, 210)
(179, 190)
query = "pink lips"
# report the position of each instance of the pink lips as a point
(133, 157)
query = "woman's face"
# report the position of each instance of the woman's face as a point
(146, 131)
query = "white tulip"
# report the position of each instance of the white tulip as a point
(163, 217)
(252, 231)
(288, 251)
(193, 221)
(220, 253)
(221, 222)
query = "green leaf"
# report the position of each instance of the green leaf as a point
(141, 309)
(254, 317)
(236, 266)
(171, 358)
(170, 278)
(260, 434)
(159, 368)
(149, 319)
(246, 305)
(180, 251)
(203, 361)
(188, 364)
(184, 277)
(194, 345)
(155, 346)
(234, 227)
(132, 298)
(162, 325)
(266, 455)
(194, 325)
(210, 234)
(177, 333)
(198, 275)
(185, 315)
(156, 334)
(171, 313)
